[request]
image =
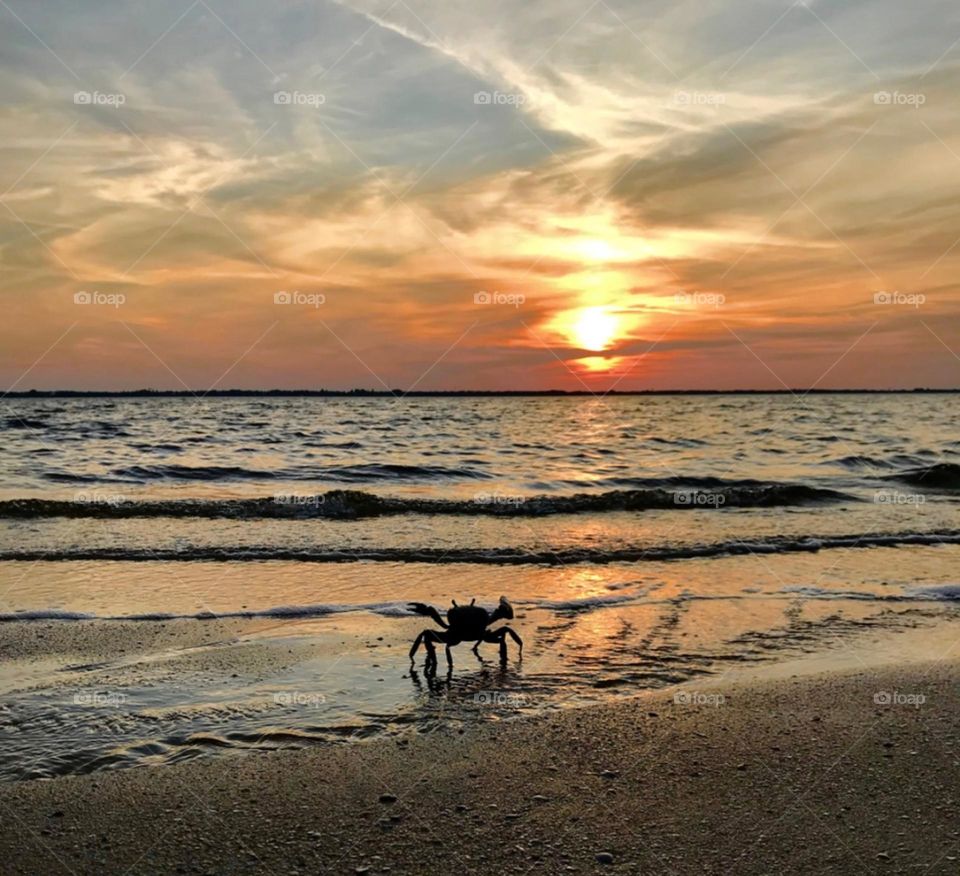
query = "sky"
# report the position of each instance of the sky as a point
(479, 195)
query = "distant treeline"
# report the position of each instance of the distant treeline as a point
(451, 393)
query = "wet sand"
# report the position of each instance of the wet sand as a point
(805, 774)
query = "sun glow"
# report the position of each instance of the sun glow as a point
(600, 364)
(594, 328)
(597, 250)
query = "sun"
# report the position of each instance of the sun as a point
(596, 250)
(594, 328)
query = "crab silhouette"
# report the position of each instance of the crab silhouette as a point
(464, 623)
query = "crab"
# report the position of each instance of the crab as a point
(464, 623)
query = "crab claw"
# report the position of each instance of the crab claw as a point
(506, 609)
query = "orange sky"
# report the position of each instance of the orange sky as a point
(630, 195)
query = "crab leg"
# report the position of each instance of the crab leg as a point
(499, 636)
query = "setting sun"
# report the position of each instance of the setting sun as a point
(594, 328)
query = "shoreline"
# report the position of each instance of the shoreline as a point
(811, 774)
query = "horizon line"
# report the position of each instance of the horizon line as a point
(441, 393)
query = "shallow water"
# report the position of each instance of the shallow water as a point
(184, 577)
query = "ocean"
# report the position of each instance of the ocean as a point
(188, 576)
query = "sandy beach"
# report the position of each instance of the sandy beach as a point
(836, 772)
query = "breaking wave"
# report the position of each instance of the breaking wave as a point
(346, 473)
(355, 504)
(942, 476)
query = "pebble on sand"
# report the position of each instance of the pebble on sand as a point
(604, 858)
(387, 798)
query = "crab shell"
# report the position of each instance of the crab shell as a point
(470, 621)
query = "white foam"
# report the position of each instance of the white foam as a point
(584, 602)
(941, 592)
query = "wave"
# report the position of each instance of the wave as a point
(687, 482)
(858, 461)
(585, 603)
(486, 556)
(942, 592)
(941, 476)
(23, 423)
(354, 504)
(346, 473)
(896, 461)
(937, 593)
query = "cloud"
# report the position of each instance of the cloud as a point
(793, 160)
